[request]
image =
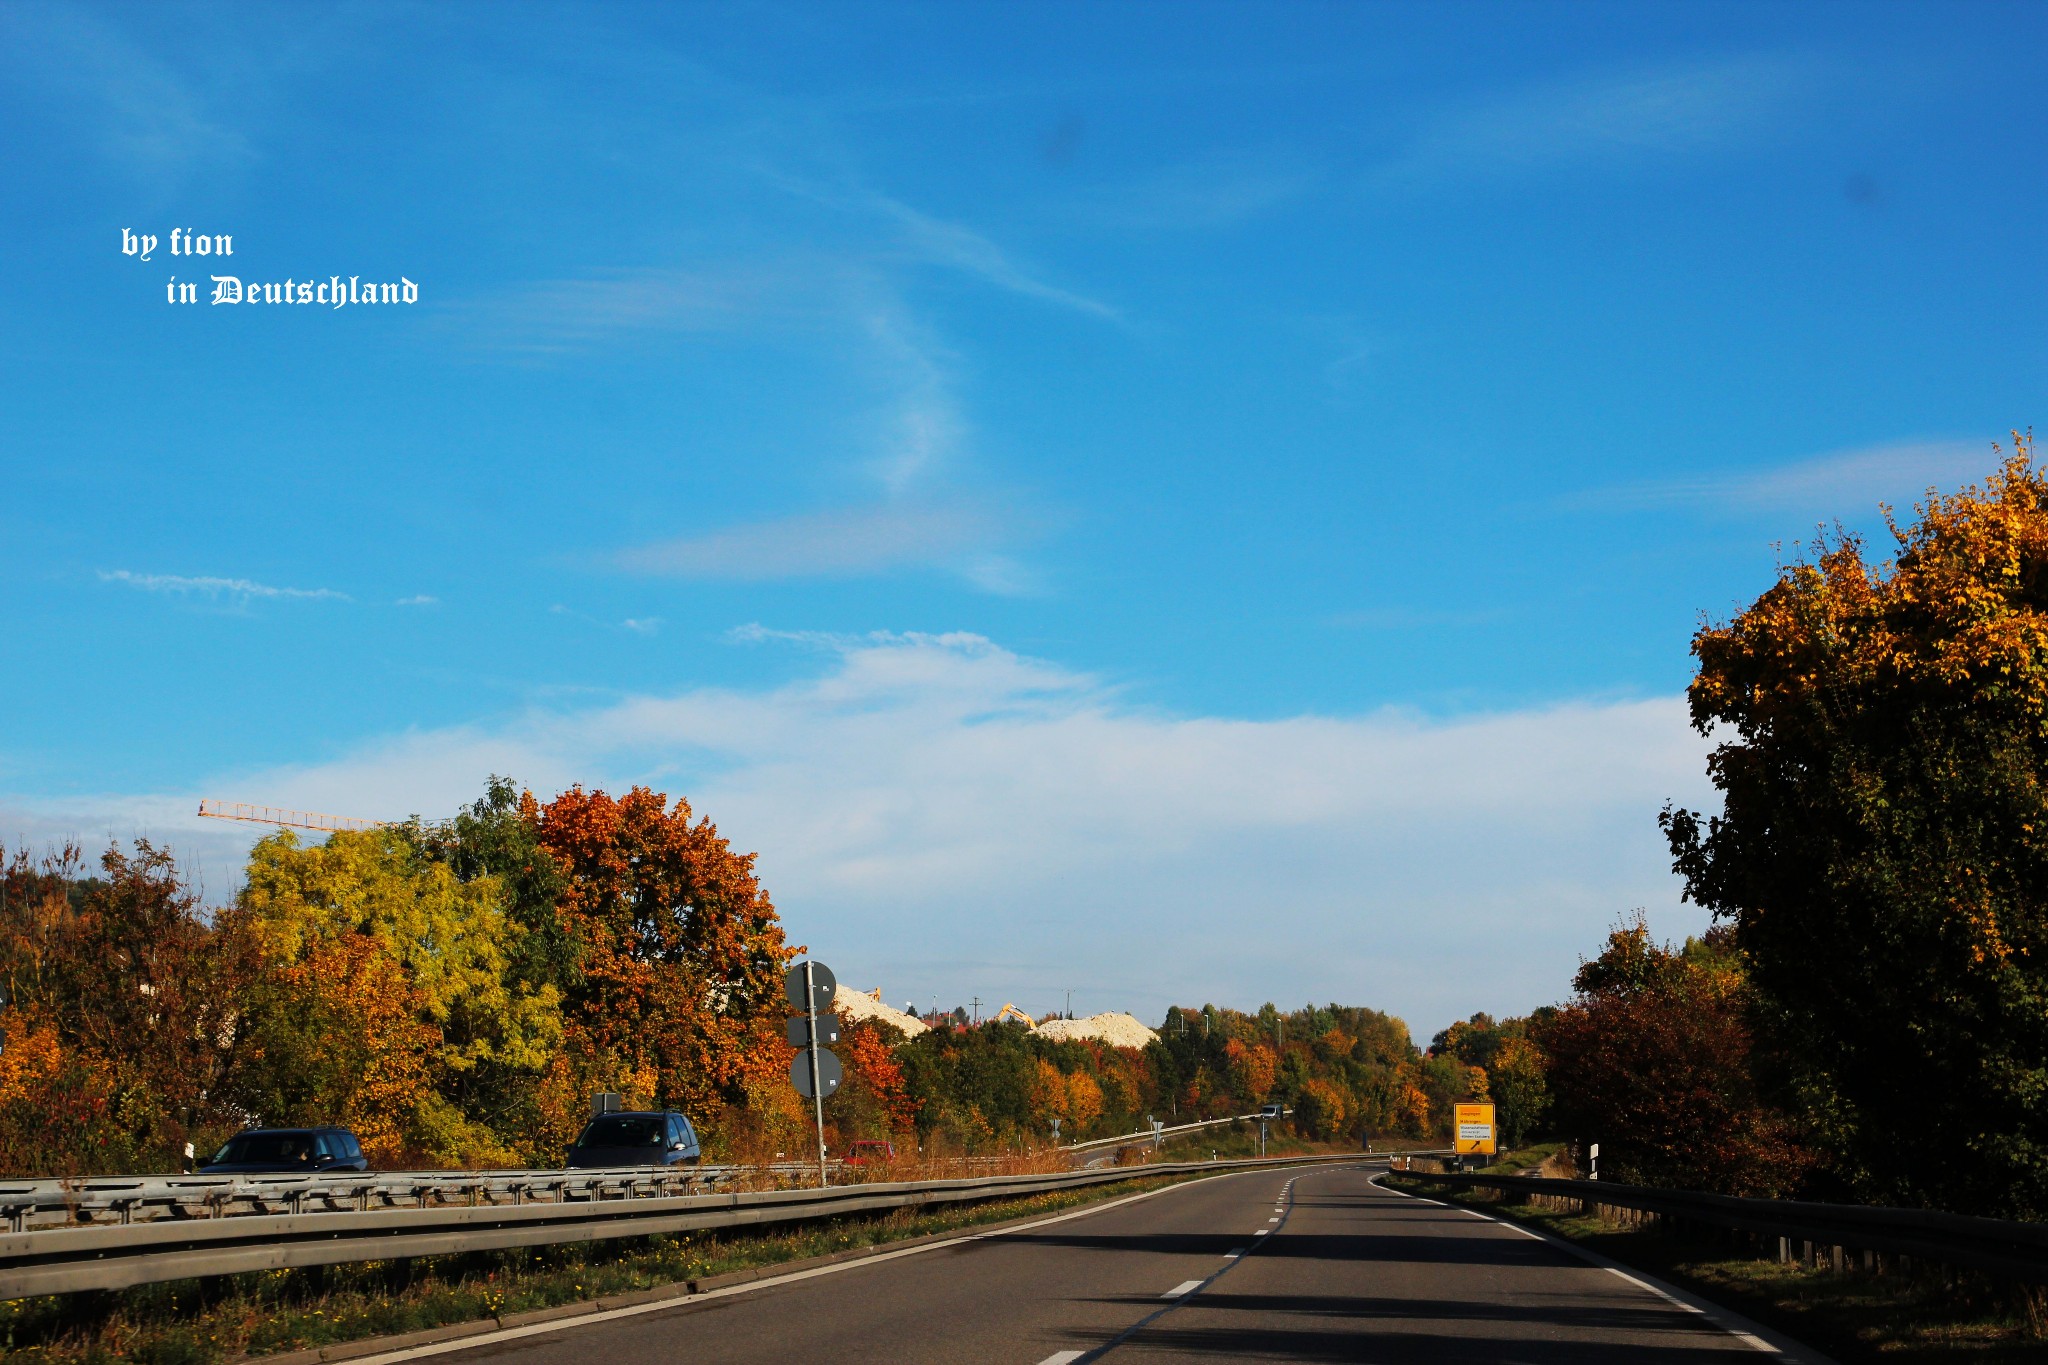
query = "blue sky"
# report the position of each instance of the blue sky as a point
(1065, 484)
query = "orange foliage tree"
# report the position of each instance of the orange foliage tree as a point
(875, 1098)
(678, 993)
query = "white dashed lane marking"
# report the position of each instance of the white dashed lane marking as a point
(1062, 1358)
(1182, 1288)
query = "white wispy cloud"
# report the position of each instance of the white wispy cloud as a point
(155, 121)
(418, 600)
(841, 543)
(241, 589)
(938, 814)
(1844, 483)
(1219, 191)
(917, 516)
(962, 248)
(597, 306)
(1661, 111)
(929, 238)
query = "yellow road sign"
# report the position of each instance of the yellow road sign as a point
(1473, 1129)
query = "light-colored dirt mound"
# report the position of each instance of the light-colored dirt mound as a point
(868, 1005)
(1118, 1030)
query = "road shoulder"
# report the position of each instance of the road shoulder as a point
(1745, 1329)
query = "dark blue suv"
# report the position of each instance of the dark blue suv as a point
(281, 1151)
(660, 1138)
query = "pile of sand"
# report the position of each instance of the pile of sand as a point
(868, 1005)
(1118, 1030)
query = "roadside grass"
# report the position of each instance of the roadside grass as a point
(1884, 1320)
(195, 1322)
(1521, 1159)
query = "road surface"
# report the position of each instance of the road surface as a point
(1309, 1264)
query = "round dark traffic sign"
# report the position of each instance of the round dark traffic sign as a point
(822, 985)
(829, 1073)
(800, 1029)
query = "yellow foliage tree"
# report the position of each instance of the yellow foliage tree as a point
(316, 911)
(1084, 1100)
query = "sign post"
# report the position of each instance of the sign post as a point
(815, 1072)
(1474, 1130)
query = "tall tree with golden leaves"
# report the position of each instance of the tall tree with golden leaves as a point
(1882, 852)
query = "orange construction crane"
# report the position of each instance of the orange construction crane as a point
(277, 815)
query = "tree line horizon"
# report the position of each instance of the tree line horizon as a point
(1867, 1019)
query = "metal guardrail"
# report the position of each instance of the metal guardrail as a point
(1839, 1235)
(118, 1256)
(37, 1205)
(1154, 1134)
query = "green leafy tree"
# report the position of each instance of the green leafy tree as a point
(1882, 852)
(498, 838)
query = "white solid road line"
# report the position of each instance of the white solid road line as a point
(1750, 1334)
(1062, 1358)
(1180, 1289)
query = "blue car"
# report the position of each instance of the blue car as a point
(287, 1151)
(657, 1138)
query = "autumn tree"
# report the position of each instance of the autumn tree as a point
(677, 993)
(874, 1101)
(1514, 1065)
(1654, 1060)
(383, 974)
(1882, 851)
(121, 1014)
(497, 837)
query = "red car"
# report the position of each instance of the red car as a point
(869, 1151)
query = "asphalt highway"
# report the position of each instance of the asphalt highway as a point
(1312, 1264)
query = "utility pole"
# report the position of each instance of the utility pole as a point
(1070, 1002)
(976, 1002)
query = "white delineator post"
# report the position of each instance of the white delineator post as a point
(817, 1091)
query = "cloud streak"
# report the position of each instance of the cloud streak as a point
(1666, 111)
(843, 543)
(1839, 483)
(963, 249)
(547, 317)
(150, 118)
(242, 589)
